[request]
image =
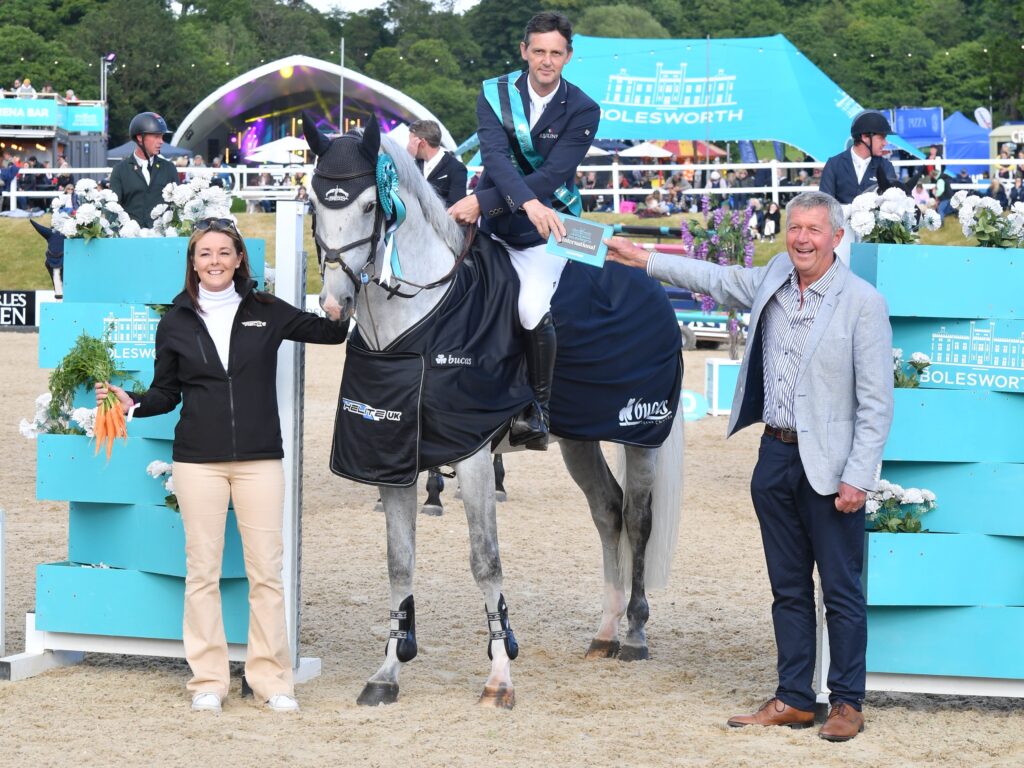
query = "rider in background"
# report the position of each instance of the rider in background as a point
(528, 174)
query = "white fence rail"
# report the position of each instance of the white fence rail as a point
(244, 179)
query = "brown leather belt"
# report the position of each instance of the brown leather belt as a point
(782, 435)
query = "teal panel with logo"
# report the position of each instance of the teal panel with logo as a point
(131, 327)
(143, 270)
(956, 425)
(964, 354)
(963, 642)
(141, 537)
(944, 569)
(972, 497)
(944, 281)
(67, 469)
(125, 603)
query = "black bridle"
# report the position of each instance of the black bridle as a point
(326, 255)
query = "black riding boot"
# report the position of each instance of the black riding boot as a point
(530, 428)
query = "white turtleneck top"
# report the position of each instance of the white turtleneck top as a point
(219, 309)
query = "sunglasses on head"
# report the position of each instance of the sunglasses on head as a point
(217, 225)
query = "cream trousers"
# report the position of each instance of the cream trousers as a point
(256, 489)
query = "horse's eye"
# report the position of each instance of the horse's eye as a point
(369, 206)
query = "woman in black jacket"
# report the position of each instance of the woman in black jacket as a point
(216, 350)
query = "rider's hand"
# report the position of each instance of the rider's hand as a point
(466, 211)
(103, 387)
(544, 219)
(623, 251)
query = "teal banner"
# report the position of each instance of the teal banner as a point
(39, 113)
(725, 90)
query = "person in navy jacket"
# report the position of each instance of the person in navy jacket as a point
(443, 171)
(856, 170)
(517, 197)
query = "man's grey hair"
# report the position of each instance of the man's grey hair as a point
(807, 200)
(427, 130)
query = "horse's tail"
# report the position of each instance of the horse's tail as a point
(666, 500)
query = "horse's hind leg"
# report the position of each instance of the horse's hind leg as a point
(400, 514)
(590, 471)
(476, 479)
(640, 463)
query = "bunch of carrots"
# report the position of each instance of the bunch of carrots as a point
(90, 361)
(110, 423)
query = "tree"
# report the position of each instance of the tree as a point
(619, 21)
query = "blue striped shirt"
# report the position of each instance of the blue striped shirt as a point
(788, 318)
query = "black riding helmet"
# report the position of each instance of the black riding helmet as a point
(143, 123)
(870, 122)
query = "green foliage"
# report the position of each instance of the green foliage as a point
(619, 21)
(88, 362)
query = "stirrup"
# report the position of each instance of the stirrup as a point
(505, 633)
(405, 635)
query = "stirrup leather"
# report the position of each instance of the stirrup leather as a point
(405, 635)
(505, 633)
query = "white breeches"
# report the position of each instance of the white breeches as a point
(539, 272)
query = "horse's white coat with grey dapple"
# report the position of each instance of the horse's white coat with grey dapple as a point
(637, 515)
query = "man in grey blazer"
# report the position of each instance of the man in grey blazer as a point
(818, 372)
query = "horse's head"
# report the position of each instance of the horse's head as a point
(348, 220)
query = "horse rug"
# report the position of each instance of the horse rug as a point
(450, 384)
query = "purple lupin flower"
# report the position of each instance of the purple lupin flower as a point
(707, 304)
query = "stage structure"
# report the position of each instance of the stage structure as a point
(266, 104)
(121, 588)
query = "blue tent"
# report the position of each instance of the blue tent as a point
(965, 139)
(726, 90)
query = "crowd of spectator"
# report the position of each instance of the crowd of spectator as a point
(23, 89)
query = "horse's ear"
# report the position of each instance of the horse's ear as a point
(370, 144)
(318, 143)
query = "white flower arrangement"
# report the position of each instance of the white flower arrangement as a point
(159, 469)
(890, 217)
(99, 214)
(893, 509)
(44, 421)
(982, 218)
(185, 204)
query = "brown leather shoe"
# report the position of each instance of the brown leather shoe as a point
(774, 712)
(843, 723)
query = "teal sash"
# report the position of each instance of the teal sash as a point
(506, 101)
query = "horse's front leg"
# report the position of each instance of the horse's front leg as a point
(400, 514)
(476, 479)
(636, 513)
(590, 472)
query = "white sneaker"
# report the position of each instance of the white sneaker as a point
(282, 702)
(206, 702)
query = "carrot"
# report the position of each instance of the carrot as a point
(98, 428)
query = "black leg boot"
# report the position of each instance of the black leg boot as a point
(530, 428)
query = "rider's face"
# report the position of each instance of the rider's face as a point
(545, 53)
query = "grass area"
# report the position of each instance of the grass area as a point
(22, 250)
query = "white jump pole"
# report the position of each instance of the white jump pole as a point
(290, 285)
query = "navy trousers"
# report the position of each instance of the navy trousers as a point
(800, 527)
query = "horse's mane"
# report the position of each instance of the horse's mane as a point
(434, 210)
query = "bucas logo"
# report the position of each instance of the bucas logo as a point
(442, 360)
(370, 413)
(637, 411)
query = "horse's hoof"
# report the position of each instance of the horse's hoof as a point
(379, 506)
(500, 496)
(378, 693)
(602, 649)
(634, 653)
(501, 697)
(434, 510)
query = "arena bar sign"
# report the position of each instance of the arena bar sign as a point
(17, 309)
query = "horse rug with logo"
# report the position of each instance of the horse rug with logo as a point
(451, 383)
